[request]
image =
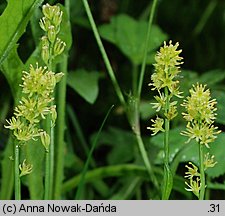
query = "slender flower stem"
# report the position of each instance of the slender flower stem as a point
(143, 66)
(118, 90)
(104, 55)
(60, 128)
(49, 161)
(166, 149)
(17, 172)
(202, 172)
(167, 128)
(47, 176)
(146, 161)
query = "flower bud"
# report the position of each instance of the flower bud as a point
(44, 24)
(57, 18)
(45, 140)
(59, 76)
(51, 33)
(25, 168)
(59, 47)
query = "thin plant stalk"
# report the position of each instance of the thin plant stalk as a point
(47, 176)
(49, 161)
(60, 128)
(167, 128)
(17, 172)
(166, 148)
(146, 161)
(202, 172)
(118, 90)
(104, 55)
(143, 65)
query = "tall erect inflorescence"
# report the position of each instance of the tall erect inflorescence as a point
(200, 116)
(165, 81)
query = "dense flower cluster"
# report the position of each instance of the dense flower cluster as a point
(167, 68)
(200, 114)
(52, 45)
(38, 86)
(165, 81)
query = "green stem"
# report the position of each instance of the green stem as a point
(49, 166)
(60, 128)
(202, 172)
(47, 176)
(146, 160)
(167, 128)
(104, 55)
(17, 172)
(143, 66)
(167, 180)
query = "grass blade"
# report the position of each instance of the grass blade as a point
(81, 183)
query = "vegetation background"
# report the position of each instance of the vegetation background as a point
(116, 169)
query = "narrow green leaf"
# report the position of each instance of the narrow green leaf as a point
(85, 84)
(82, 180)
(13, 22)
(168, 183)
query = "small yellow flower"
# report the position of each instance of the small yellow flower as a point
(161, 101)
(192, 171)
(157, 125)
(194, 186)
(25, 168)
(209, 162)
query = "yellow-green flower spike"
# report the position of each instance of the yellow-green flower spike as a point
(200, 114)
(167, 68)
